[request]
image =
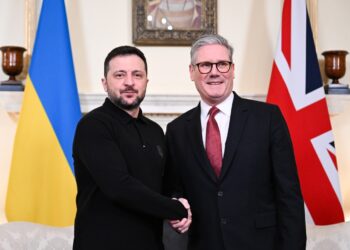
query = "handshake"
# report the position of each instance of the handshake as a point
(183, 225)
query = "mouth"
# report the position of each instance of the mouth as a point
(129, 91)
(214, 83)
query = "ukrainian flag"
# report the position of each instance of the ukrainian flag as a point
(42, 186)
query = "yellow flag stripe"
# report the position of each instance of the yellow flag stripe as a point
(44, 190)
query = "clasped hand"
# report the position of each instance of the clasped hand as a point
(183, 225)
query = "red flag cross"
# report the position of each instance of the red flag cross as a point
(296, 87)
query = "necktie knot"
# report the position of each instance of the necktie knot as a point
(213, 111)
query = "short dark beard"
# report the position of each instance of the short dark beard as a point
(126, 106)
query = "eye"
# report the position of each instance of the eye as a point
(119, 75)
(222, 64)
(205, 65)
(138, 75)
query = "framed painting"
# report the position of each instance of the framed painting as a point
(172, 22)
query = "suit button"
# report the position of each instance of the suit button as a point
(223, 221)
(220, 193)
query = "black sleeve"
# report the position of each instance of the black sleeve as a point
(291, 217)
(172, 182)
(99, 153)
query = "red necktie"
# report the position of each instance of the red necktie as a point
(213, 141)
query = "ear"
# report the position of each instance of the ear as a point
(104, 83)
(191, 70)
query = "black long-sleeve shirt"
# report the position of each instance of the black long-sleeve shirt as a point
(119, 163)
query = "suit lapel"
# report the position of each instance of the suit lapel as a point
(194, 132)
(238, 119)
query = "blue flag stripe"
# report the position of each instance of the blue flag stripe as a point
(54, 80)
(313, 74)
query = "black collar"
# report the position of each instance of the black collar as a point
(122, 114)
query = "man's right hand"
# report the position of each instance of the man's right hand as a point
(183, 225)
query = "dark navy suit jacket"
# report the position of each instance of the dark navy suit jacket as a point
(256, 202)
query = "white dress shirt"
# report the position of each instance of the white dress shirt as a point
(222, 118)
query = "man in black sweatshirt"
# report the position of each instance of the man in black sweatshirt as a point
(119, 158)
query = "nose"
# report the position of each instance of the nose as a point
(214, 70)
(129, 81)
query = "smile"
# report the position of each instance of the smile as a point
(214, 83)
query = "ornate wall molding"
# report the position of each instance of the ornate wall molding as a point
(159, 105)
(161, 108)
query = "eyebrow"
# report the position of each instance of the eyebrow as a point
(132, 72)
(124, 71)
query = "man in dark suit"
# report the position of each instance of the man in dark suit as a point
(119, 158)
(233, 159)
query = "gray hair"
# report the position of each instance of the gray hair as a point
(208, 39)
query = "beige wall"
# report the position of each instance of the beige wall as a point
(252, 27)
(11, 23)
(334, 22)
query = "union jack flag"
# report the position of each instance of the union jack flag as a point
(296, 87)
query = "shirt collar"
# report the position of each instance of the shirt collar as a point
(225, 106)
(123, 115)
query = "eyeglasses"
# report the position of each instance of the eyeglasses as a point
(206, 67)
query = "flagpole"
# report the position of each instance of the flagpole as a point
(312, 6)
(30, 22)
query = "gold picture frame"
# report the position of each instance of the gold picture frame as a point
(172, 22)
